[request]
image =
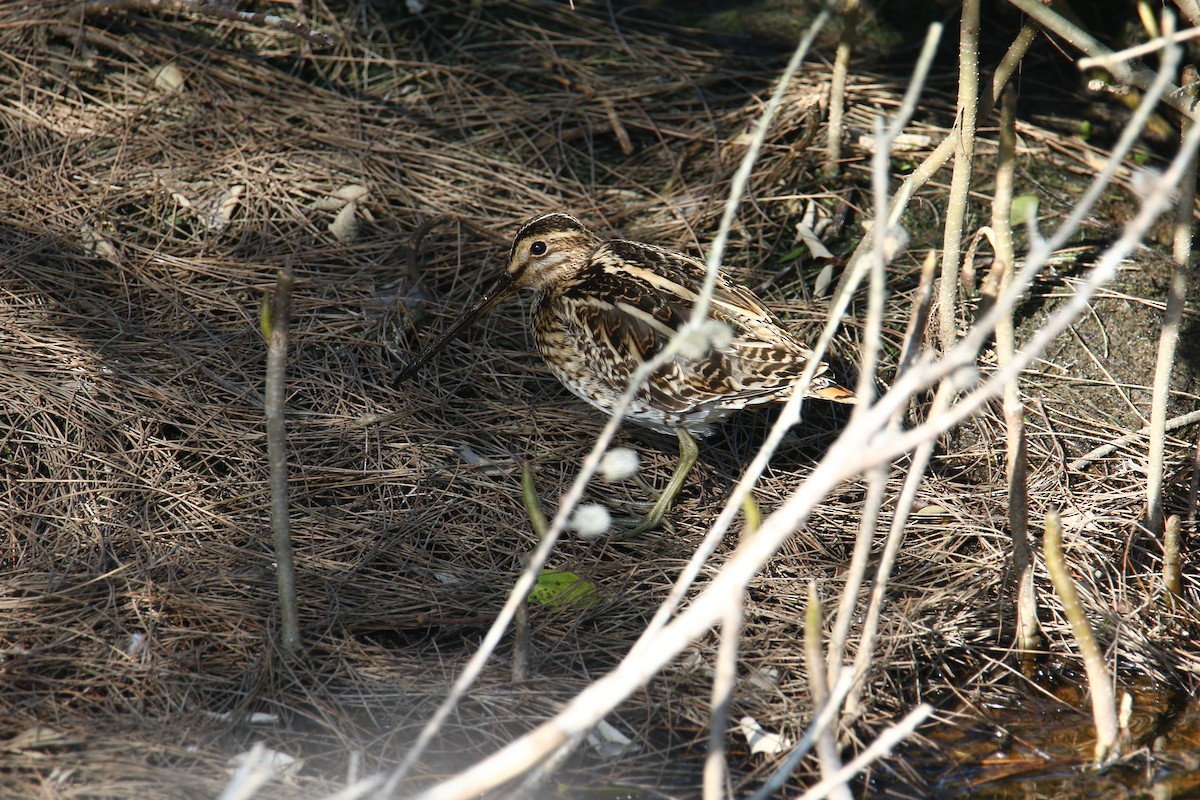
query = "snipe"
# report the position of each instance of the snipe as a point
(603, 308)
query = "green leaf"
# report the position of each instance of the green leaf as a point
(793, 254)
(1024, 208)
(557, 588)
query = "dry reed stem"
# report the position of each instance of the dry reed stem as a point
(1185, 207)
(815, 666)
(1172, 564)
(716, 770)
(1190, 9)
(837, 87)
(964, 163)
(276, 320)
(1016, 457)
(1104, 707)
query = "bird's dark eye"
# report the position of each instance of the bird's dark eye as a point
(537, 249)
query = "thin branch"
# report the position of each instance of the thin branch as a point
(818, 687)
(716, 771)
(837, 87)
(1104, 705)
(879, 748)
(963, 137)
(1137, 51)
(1172, 318)
(1108, 449)
(1016, 462)
(276, 318)
(1190, 9)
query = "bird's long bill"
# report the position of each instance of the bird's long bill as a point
(492, 297)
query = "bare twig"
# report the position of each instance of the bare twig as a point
(1137, 51)
(1172, 317)
(1016, 463)
(1172, 563)
(1190, 9)
(1123, 441)
(276, 318)
(918, 319)
(1104, 705)
(963, 136)
(818, 687)
(837, 87)
(716, 771)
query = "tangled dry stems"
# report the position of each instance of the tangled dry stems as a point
(142, 218)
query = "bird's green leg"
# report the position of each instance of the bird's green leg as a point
(689, 452)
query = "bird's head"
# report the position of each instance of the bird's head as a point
(547, 250)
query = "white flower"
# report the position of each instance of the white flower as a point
(590, 521)
(618, 464)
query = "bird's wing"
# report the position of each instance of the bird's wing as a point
(626, 305)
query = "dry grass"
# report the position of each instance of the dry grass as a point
(137, 579)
